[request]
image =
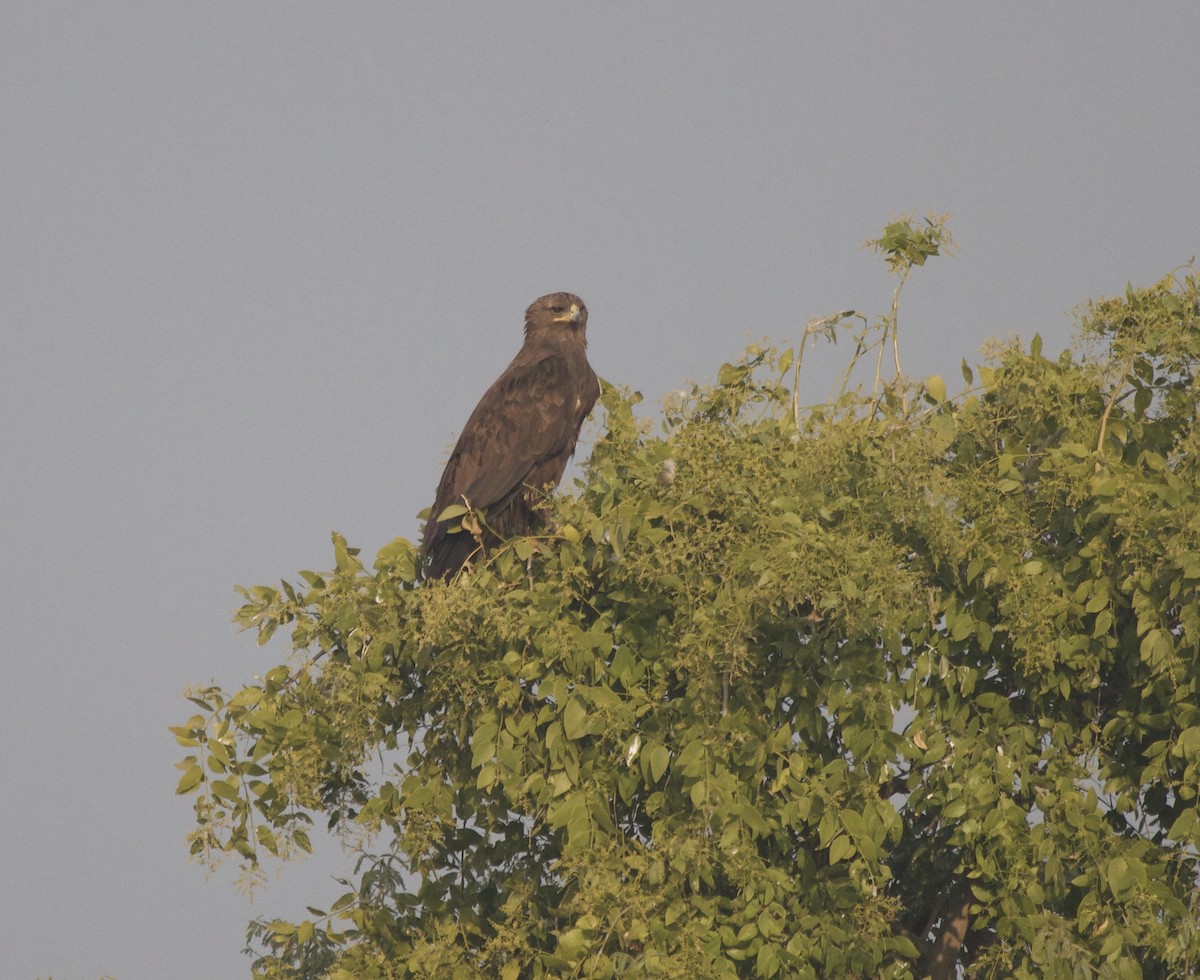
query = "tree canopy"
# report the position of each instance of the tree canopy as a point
(882, 687)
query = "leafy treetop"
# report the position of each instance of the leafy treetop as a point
(888, 686)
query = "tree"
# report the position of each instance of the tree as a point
(889, 686)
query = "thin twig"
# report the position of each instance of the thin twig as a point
(895, 325)
(826, 323)
(796, 380)
(300, 670)
(859, 350)
(875, 393)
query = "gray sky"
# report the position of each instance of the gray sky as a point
(258, 262)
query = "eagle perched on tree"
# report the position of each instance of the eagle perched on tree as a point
(517, 441)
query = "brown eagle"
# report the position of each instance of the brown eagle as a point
(517, 441)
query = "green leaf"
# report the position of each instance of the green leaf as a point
(247, 697)
(452, 511)
(840, 848)
(483, 744)
(768, 928)
(658, 758)
(345, 557)
(575, 719)
(766, 962)
(223, 788)
(1187, 745)
(572, 944)
(192, 778)
(1184, 827)
(730, 375)
(1121, 877)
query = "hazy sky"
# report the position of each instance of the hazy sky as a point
(259, 260)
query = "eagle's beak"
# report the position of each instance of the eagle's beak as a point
(571, 316)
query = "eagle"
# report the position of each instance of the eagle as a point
(518, 440)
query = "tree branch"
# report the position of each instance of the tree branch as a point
(941, 962)
(1112, 400)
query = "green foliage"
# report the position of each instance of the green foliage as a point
(784, 694)
(904, 245)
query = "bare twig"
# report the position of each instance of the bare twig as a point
(896, 321)
(827, 324)
(891, 326)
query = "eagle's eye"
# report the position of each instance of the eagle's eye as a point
(557, 309)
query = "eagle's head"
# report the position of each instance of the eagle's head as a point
(556, 311)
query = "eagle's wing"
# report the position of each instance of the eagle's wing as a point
(527, 418)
